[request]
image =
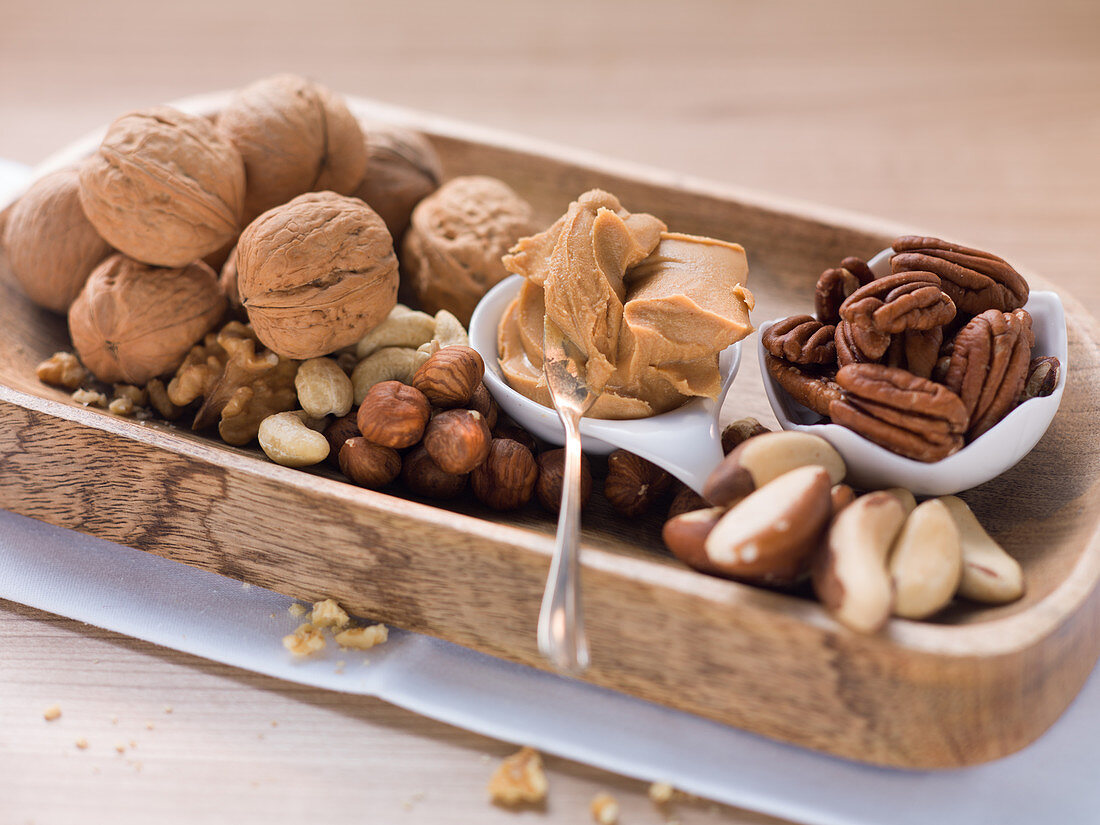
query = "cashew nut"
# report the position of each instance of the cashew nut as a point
(907, 499)
(851, 580)
(449, 330)
(926, 562)
(403, 327)
(989, 574)
(288, 440)
(323, 388)
(388, 364)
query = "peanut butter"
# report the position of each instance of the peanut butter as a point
(652, 309)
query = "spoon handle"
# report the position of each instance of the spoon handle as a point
(561, 619)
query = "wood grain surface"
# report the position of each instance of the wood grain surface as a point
(978, 128)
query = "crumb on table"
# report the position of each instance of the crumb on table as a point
(605, 809)
(519, 779)
(660, 793)
(51, 713)
(362, 638)
(305, 640)
(328, 613)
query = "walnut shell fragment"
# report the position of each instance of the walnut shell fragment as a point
(402, 170)
(295, 136)
(133, 322)
(456, 239)
(164, 187)
(51, 246)
(316, 274)
(974, 280)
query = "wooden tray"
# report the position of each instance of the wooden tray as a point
(976, 684)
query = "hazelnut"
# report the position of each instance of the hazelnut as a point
(316, 274)
(551, 470)
(458, 440)
(633, 484)
(740, 431)
(394, 415)
(456, 239)
(483, 401)
(295, 136)
(165, 187)
(506, 481)
(369, 465)
(133, 322)
(51, 246)
(450, 377)
(338, 432)
(402, 170)
(507, 429)
(424, 478)
(685, 501)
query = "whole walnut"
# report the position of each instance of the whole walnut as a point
(133, 322)
(402, 170)
(295, 136)
(164, 188)
(316, 274)
(453, 248)
(51, 246)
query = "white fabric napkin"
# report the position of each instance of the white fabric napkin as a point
(170, 604)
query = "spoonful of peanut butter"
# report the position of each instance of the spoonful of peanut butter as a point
(650, 309)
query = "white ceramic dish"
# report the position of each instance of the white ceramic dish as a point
(685, 441)
(873, 467)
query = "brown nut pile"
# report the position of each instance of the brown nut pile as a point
(775, 512)
(919, 361)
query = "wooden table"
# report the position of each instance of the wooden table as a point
(978, 122)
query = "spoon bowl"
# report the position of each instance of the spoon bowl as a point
(686, 441)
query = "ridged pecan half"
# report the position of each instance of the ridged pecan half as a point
(975, 280)
(916, 350)
(902, 412)
(801, 340)
(989, 366)
(837, 284)
(1042, 377)
(815, 392)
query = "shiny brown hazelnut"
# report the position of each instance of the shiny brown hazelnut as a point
(739, 431)
(316, 274)
(51, 246)
(633, 484)
(165, 187)
(402, 170)
(551, 470)
(685, 501)
(295, 136)
(458, 440)
(506, 429)
(483, 401)
(133, 322)
(393, 415)
(450, 376)
(339, 431)
(506, 481)
(367, 464)
(423, 477)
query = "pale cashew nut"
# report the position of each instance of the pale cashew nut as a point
(926, 562)
(430, 348)
(403, 327)
(851, 579)
(288, 440)
(449, 331)
(989, 574)
(323, 388)
(907, 499)
(389, 364)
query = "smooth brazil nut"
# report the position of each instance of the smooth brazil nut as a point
(323, 388)
(758, 460)
(769, 536)
(989, 574)
(685, 535)
(926, 562)
(288, 439)
(851, 578)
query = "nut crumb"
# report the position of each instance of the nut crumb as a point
(119, 747)
(62, 369)
(81, 743)
(363, 638)
(133, 744)
(297, 610)
(167, 708)
(274, 724)
(304, 641)
(51, 713)
(605, 810)
(90, 398)
(660, 793)
(148, 725)
(114, 720)
(520, 779)
(121, 406)
(245, 586)
(328, 613)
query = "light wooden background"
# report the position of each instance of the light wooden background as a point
(976, 121)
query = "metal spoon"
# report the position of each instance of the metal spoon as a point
(561, 619)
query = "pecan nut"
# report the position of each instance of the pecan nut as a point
(835, 285)
(902, 412)
(815, 392)
(801, 340)
(916, 350)
(1042, 377)
(989, 366)
(975, 280)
